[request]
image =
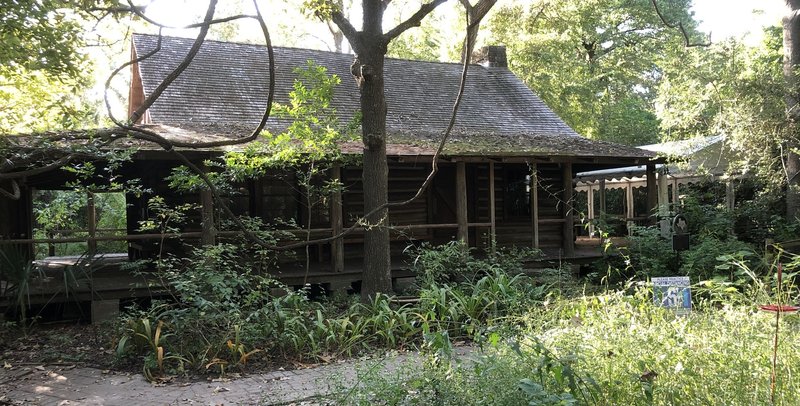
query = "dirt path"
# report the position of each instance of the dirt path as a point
(70, 385)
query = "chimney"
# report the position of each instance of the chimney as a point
(493, 56)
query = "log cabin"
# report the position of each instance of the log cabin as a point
(506, 173)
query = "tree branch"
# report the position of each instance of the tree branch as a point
(152, 136)
(679, 26)
(347, 29)
(180, 68)
(139, 12)
(413, 21)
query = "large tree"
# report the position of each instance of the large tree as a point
(370, 45)
(791, 63)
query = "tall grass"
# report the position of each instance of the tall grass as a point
(610, 349)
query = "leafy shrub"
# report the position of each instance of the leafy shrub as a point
(649, 253)
(454, 262)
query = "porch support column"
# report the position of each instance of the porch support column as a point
(568, 242)
(663, 205)
(91, 220)
(602, 196)
(630, 213)
(590, 207)
(493, 227)
(461, 202)
(534, 195)
(337, 222)
(25, 219)
(675, 194)
(652, 191)
(730, 195)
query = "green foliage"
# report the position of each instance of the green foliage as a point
(735, 90)
(314, 132)
(423, 43)
(16, 272)
(32, 101)
(595, 63)
(616, 348)
(43, 68)
(225, 310)
(454, 262)
(650, 254)
(64, 213)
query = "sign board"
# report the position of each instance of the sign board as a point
(673, 293)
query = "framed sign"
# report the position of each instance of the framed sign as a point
(673, 292)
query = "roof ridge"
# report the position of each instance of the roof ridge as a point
(241, 43)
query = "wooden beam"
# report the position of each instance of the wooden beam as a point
(493, 227)
(461, 201)
(675, 194)
(337, 223)
(569, 237)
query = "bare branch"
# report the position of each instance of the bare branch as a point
(347, 29)
(413, 21)
(147, 135)
(679, 26)
(180, 68)
(139, 12)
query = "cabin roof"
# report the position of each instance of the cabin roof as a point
(224, 91)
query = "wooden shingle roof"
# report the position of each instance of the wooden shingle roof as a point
(224, 90)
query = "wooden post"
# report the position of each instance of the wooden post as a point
(730, 195)
(602, 196)
(257, 198)
(534, 196)
(629, 212)
(675, 194)
(652, 190)
(209, 233)
(461, 201)
(337, 223)
(25, 219)
(663, 205)
(492, 220)
(590, 208)
(91, 223)
(568, 242)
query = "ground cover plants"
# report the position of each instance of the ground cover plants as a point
(224, 313)
(607, 349)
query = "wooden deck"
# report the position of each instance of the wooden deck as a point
(60, 279)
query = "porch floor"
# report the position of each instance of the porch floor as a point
(58, 278)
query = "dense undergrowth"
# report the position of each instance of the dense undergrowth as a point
(224, 314)
(608, 349)
(546, 339)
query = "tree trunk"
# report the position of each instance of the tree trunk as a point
(368, 69)
(791, 58)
